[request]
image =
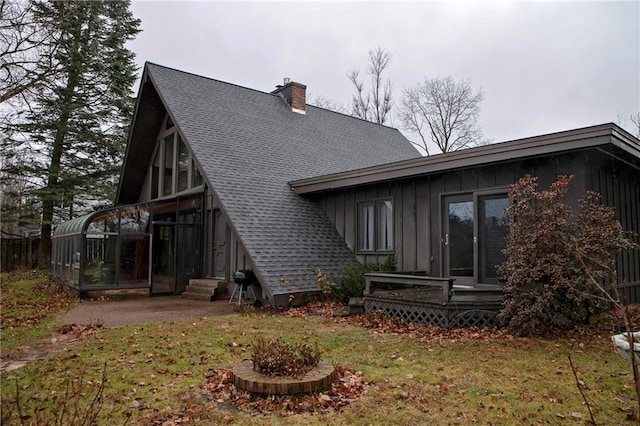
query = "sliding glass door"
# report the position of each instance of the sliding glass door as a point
(492, 234)
(473, 236)
(458, 238)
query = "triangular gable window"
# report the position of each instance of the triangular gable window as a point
(196, 178)
(183, 165)
(173, 169)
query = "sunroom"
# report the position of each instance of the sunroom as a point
(112, 249)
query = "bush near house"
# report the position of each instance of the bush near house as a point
(557, 262)
(352, 282)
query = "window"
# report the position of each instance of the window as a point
(365, 226)
(196, 177)
(493, 230)
(167, 187)
(375, 226)
(173, 169)
(155, 175)
(384, 240)
(183, 166)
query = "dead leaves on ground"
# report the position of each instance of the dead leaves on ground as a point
(379, 323)
(383, 324)
(347, 387)
(80, 330)
(47, 298)
(219, 391)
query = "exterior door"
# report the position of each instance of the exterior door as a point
(220, 246)
(458, 241)
(176, 257)
(187, 255)
(163, 255)
(474, 236)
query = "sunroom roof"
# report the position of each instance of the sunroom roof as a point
(73, 226)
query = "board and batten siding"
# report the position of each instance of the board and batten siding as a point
(619, 186)
(416, 210)
(417, 203)
(236, 255)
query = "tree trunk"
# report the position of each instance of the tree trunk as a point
(49, 193)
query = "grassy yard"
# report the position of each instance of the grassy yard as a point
(31, 307)
(417, 375)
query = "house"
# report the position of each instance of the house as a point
(204, 190)
(219, 178)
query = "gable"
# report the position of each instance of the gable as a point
(248, 146)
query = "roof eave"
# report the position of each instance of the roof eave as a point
(130, 133)
(570, 140)
(141, 139)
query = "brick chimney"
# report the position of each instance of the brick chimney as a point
(295, 94)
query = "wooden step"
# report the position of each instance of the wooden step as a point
(197, 296)
(204, 289)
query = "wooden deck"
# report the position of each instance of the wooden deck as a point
(432, 300)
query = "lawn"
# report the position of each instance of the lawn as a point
(417, 375)
(31, 308)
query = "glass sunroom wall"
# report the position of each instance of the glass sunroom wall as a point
(135, 242)
(70, 259)
(60, 258)
(101, 239)
(66, 259)
(106, 249)
(76, 246)
(55, 273)
(94, 259)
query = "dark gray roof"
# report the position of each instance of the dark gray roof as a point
(249, 145)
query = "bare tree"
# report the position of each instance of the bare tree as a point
(635, 121)
(326, 103)
(632, 124)
(373, 104)
(444, 112)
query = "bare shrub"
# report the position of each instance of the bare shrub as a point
(275, 357)
(68, 407)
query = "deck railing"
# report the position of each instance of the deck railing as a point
(372, 279)
(431, 300)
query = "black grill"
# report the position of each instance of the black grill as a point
(244, 277)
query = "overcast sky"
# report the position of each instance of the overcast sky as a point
(544, 66)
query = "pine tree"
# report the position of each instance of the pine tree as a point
(70, 137)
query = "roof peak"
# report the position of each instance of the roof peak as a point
(307, 106)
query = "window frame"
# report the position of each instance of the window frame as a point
(170, 135)
(376, 238)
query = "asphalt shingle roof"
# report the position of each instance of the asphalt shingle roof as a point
(249, 145)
